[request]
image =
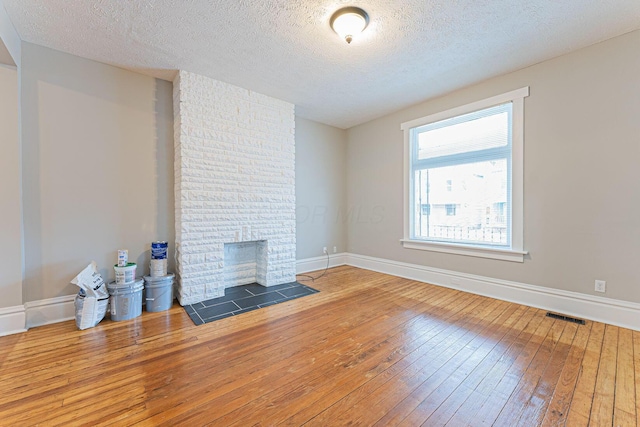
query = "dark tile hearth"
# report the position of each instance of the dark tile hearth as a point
(241, 299)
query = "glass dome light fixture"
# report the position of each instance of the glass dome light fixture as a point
(349, 22)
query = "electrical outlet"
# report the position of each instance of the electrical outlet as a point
(335, 249)
(601, 286)
(324, 250)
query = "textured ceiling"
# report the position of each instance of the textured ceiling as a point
(412, 50)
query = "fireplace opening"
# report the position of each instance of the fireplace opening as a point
(245, 263)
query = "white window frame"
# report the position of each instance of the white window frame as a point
(516, 253)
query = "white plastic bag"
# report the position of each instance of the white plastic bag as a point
(91, 301)
(89, 310)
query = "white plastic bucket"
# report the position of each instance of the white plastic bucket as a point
(159, 292)
(158, 267)
(126, 300)
(125, 275)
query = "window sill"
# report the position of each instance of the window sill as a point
(493, 253)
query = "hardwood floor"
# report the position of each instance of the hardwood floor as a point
(369, 349)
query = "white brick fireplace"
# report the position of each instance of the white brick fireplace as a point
(234, 188)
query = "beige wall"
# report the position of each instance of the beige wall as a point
(582, 158)
(320, 188)
(10, 225)
(10, 198)
(97, 167)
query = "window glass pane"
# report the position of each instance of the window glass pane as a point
(480, 130)
(467, 203)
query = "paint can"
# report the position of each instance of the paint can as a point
(158, 267)
(126, 274)
(159, 250)
(159, 292)
(123, 257)
(125, 300)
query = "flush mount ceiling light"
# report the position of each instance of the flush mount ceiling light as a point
(349, 22)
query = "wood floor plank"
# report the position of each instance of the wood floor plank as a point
(460, 380)
(368, 349)
(276, 365)
(422, 381)
(624, 408)
(528, 379)
(558, 409)
(499, 388)
(231, 416)
(341, 393)
(580, 408)
(442, 403)
(466, 394)
(487, 368)
(399, 411)
(398, 381)
(446, 332)
(636, 363)
(313, 383)
(603, 397)
(250, 343)
(233, 386)
(533, 412)
(91, 381)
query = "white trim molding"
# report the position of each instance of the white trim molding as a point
(484, 252)
(52, 310)
(523, 92)
(600, 309)
(12, 320)
(320, 263)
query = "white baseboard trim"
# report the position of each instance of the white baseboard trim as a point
(320, 262)
(12, 320)
(600, 309)
(52, 310)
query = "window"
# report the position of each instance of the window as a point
(480, 147)
(451, 209)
